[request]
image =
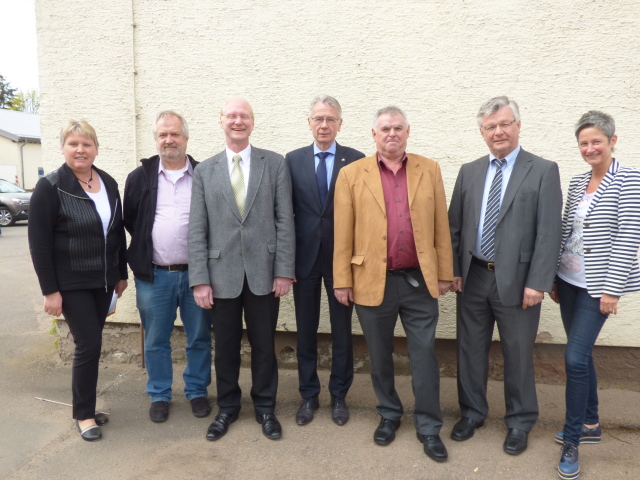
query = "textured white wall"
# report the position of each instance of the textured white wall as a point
(119, 62)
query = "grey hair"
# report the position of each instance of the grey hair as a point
(327, 100)
(496, 103)
(596, 119)
(391, 110)
(171, 113)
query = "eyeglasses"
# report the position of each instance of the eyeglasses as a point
(233, 117)
(503, 126)
(321, 120)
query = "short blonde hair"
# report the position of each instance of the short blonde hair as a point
(82, 127)
(238, 98)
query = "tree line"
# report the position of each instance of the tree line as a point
(14, 99)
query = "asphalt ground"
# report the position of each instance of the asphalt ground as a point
(38, 440)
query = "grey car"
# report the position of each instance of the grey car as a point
(14, 203)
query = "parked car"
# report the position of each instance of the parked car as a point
(14, 203)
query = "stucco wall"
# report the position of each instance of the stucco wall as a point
(119, 63)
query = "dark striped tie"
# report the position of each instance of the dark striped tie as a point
(487, 245)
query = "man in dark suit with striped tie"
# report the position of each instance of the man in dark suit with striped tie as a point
(314, 170)
(505, 228)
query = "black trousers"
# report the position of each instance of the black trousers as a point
(306, 295)
(85, 312)
(260, 316)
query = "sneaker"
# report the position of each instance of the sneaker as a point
(569, 468)
(587, 435)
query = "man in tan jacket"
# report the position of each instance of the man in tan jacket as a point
(393, 257)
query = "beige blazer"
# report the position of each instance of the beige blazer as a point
(360, 253)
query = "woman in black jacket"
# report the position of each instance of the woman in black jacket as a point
(77, 243)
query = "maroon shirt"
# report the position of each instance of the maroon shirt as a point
(401, 246)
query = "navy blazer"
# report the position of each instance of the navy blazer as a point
(314, 222)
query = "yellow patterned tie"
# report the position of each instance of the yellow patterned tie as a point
(237, 183)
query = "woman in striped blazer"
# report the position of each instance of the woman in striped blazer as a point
(598, 264)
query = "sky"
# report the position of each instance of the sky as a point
(18, 45)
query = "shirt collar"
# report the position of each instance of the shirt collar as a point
(511, 158)
(188, 169)
(381, 163)
(331, 149)
(245, 154)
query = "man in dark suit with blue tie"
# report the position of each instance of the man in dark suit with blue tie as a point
(314, 170)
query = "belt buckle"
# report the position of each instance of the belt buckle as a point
(491, 266)
(170, 270)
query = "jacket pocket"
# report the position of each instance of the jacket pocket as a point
(525, 257)
(357, 259)
(214, 253)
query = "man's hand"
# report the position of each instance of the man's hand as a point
(344, 295)
(203, 295)
(608, 304)
(281, 286)
(120, 287)
(531, 297)
(53, 304)
(456, 285)
(444, 286)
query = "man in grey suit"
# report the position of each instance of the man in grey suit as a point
(241, 258)
(505, 219)
(314, 170)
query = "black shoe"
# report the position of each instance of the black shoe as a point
(464, 429)
(200, 407)
(339, 411)
(516, 441)
(271, 427)
(101, 418)
(386, 431)
(90, 434)
(305, 412)
(159, 411)
(433, 447)
(219, 427)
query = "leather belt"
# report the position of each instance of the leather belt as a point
(404, 272)
(491, 266)
(181, 267)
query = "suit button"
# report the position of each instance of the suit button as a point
(384, 237)
(384, 260)
(587, 249)
(318, 237)
(586, 224)
(241, 227)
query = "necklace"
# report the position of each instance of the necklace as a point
(90, 178)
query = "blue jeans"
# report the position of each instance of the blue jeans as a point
(582, 321)
(157, 303)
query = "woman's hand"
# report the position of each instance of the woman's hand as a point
(120, 287)
(554, 293)
(53, 304)
(608, 304)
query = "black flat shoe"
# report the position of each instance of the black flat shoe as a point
(271, 427)
(305, 412)
(220, 425)
(386, 431)
(516, 441)
(339, 411)
(464, 429)
(101, 418)
(433, 447)
(91, 433)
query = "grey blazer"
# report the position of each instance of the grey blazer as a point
(223, 246)
(529, 228)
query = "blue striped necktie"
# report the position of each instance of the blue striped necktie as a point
(487, 245)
